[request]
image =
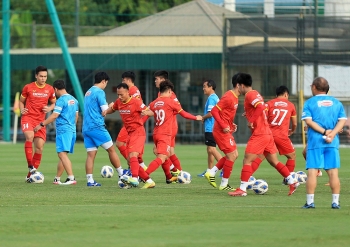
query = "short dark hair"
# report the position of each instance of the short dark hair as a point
(59, 84)
(245, 79)
(123, 85)
(130, 75)
(39, 69)
(100, 76)
(234, 79)
(210, 83)
(161, 73)
(321, 84)
(281, 90)
(165, 86)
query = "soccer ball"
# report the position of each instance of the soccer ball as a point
(37, 178)
(184, 177)
(302, 177)
(251, 181)
(107, 172)
(260, 187)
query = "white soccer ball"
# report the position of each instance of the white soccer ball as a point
(302, 177)
(251, 181)
(184, 177)
(260, 187)
(37, 178)
(107, 172)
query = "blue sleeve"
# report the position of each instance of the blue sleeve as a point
(306, 111)
(59, 106)
(77, 105)
(341, 114)
(101, 98)
(211, 103)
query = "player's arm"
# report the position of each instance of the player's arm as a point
(189, 116)
(76, 117)
(50, 107)
(109, 109)
(216, 115)
(338, 127)
(22, 103)
(47, 121)
(259, 109)
(294, 125)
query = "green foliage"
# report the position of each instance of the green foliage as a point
(185, 215)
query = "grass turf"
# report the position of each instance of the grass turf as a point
(184, 215)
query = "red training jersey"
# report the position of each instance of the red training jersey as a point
(279, 113)
(135, 92)
(164, 109)
(174, 98)
(36, 98)
(251, 101)
(227, 106)
(130, 112)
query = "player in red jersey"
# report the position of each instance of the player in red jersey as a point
(128, 77)
(160, 76)
(163, 109)
(261, 140)
(280, 112)
(224, 114)
(34, 106)
(130, 110)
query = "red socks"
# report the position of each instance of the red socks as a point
(154, 165)
(221, 163)
(28, 150)
(134, 167)
(255, 164)
(123, 151)
(290, 164)
(166, 169)
(175, 162)
(36, 160)
(227, 168)
(282, 169)
(246, 173)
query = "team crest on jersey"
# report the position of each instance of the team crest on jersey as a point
(176, 99)
(281, 104)
(88, 93)
(236, 106)
(143, 105)
(324, 103)
(71, 102)
(159, 104)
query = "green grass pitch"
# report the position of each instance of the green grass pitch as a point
(168, 215)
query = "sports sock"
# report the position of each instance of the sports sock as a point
(119, 170)
(143, 174)
(309, 198)
(58, 178)
(290, 164)
(255, 164)
(157, 162)
(36, 160)
(282, 169)
(166, 169)
(134, 167)
(176, 162)
(220, 163)
(246, 173)
(224, 182)
(90, 178)
(28, 150)
(71, 178)
(335, 198)
(227, 168)
(123, 151)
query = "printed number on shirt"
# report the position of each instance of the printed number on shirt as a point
(160, 117)
(279, 112)
(25, 126)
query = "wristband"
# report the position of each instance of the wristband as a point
(324, 133)
(42, 125)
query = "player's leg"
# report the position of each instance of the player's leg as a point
(64, 145)
(332, 164)
(228, 166)
(59, 172)
(121, 141)
(256, 162)
(176, 166)
(91, 143)
(28, 150)
(162, 144)
(38, 151)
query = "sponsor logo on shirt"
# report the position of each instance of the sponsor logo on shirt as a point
(40, 95)
(324, 103)
(124, 111)
(281, 104)
(88, 93)
(71, 102)
(158, 104)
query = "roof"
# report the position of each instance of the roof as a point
(195, 18)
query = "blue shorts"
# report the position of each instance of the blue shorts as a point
(65, 142)
(95, 138)
(323, 158)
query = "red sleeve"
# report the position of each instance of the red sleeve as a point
(144, 119)
(115, 105)
(216, 115)
(187, 115)
(258, 111)
(52, 95)
(24, 93)
(294, 112)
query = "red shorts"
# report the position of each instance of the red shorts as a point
(173, 136)
(225, 141)
(123, 135)
(284, 145)
(162, 143)
(136, 141)
(260, 144)
(30, 125)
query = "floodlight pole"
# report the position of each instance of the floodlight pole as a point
(6, 70)
(223, 57)
(66, 55)
(316, 39)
